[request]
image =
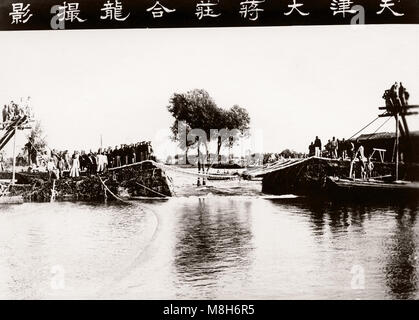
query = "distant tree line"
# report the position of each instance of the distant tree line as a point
(287, 153)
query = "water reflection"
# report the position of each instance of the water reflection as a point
(213, 237)
(213, 247)
(401, 264)
(394, 222)
(90, 243)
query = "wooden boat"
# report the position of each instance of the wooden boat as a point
(371, 188)
(219, 176)
(389, 187)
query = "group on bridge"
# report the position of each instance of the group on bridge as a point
(13, 111)
(61, 163)
(396, 97)
(334, 148)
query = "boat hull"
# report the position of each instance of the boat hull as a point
(371, 189)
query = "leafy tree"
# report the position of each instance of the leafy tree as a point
(194, 109)
(35, 142)
(181, 110)
(197, 110)
(2, 160)
(287, 153)
(237, 120)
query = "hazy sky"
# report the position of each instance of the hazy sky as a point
(296, 82)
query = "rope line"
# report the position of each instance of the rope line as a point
(364, 127)
(272, 167)
(156, 192)
(388, 119)
(205, 175)
(114, 195)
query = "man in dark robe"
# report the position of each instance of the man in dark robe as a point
(317, 146)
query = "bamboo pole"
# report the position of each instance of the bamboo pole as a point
(14, 157)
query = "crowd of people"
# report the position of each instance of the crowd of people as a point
(344, 149)
(396, 97)
(62, 163)
(366, 165)
(12, 111)
(334, 148)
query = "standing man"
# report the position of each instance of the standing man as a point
(83, 162)
(132, 153)
(5, 111)
(16, 110)
(109, 157)
(334, 148)
(342, 146)
(149, 151)
(75, 165)
(93, 163)
(117, 153)
(30, 150)
(61, 166)
(360, 155)
(317, 147)
(328, 149)
(52, 170)
(311, 149)
(67, 160)
(403, 95)
(395, 95)
(10, 113)
(362, 160)
(350, 149)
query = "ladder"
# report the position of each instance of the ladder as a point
(9, 130)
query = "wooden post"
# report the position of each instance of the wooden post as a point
(397, 146)
(198, 183)
(14, 157)
(105, 194)
(53, 191)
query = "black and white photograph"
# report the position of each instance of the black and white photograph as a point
(192, 162)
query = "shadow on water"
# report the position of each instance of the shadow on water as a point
(400, 251)
(213, 237)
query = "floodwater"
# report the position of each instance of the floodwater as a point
(210, 246)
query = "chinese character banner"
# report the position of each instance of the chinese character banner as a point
(104, 14)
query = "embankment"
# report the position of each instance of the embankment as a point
(145, 180)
